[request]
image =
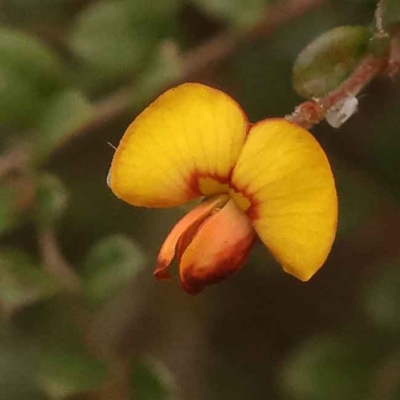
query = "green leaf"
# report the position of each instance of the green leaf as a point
(27, 58)
(65, 113)
(51, 200)
(329, 368)
(382, 298)
(20, 102)
(327, 61)
(22, 281)
(237, 12)
(111, 264)
(110, 39)
(151, 380)
(66, 373)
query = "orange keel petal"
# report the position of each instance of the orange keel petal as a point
(219, 248)
(190, 221)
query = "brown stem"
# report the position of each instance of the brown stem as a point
(15, 159)
(311, 112)
(379, 11)
(54, 261)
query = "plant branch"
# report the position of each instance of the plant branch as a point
(312, 112)
(15, 159)
(54, 261)
(379, 11)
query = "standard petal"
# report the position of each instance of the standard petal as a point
(190, 221)
(218, 249)
(284, 182)
(183, 145)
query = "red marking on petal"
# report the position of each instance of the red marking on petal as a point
(253, 211)
(232, 259)
(195, 176)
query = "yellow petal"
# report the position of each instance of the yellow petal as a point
(217, 249)
(183, 145)
(283, 181)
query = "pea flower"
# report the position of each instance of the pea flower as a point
(270, 179)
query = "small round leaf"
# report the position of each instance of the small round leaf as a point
(20, 102)
(329, 368)
(67, 373)
(111, 263)
(106, 38)
(22, 281)
(65, 113)
(327, 61)
(151, 380)
(29, 59)
(51, 200)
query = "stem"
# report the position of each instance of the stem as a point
(54, 261)
(379, 11)
(312, 112)
(15, 159)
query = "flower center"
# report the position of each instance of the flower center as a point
(209, 186)
(241, 201)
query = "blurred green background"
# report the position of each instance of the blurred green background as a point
(81, 315)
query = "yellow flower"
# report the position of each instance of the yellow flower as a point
(270, 178)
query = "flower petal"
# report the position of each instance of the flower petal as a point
(192, 220)
(183, 145)
(218, 249)
(284, 182)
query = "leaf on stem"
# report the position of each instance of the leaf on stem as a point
(328, 60)
(66, 373)
(65, 113)
(151, 380)
(22, 281)
(51, 200)
(110, 265)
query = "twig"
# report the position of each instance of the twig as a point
(54, 261)
(379, 11)
(14, 159)
(311, 112)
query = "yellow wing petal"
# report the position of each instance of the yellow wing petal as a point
(284, 182)
(183, 145)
